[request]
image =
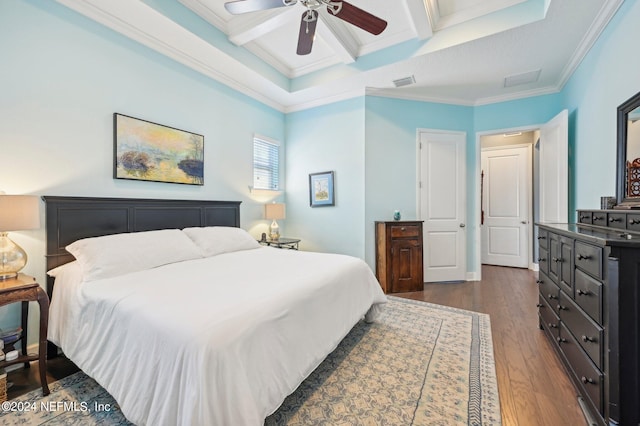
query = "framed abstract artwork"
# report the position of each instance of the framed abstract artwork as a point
(321, 192)
(149, 151)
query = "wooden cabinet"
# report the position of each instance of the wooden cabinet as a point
(399, 256)
(589, 307)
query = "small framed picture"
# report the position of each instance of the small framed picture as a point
(321, 189)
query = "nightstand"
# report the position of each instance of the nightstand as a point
(288, 243)
(24, 289)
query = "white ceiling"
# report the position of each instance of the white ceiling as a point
(467, 52)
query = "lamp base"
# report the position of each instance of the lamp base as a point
(274, 231)
(12, 258)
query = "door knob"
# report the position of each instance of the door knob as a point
(462, 225)
(524, 222)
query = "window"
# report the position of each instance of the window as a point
(266, 156)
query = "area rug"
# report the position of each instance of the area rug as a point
(418, 364)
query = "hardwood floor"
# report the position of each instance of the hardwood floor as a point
(533, 385)
(534, 388)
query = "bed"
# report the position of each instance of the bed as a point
(203, 326)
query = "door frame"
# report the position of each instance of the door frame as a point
(477, 275)
(530, 201)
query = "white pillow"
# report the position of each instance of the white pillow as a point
(119, 254)
(214, 240)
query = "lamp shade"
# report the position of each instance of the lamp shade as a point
(274, 211)
(19, 212)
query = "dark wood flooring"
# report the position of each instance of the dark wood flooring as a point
(534, 388)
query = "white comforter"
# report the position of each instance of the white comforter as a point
(214, 341)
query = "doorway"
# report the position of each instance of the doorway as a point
(550, 178)
(507, 198)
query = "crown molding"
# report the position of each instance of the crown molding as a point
(327, 100)
(609, 8)
(405, 95)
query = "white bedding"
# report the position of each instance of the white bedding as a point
(215, 341)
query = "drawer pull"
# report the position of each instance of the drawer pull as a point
(403, 229)
(542, 259)
(634, 221)
(583, 293)
(588, 339)
(583, 217)
(539, 282)
(561, 340)
(556, 259)
(540, 305)
(552, 325)
(615, 219)
(551, 296)
(587, 380)
(583, 257)
(562, 308)
(542, 237)
(596, 218)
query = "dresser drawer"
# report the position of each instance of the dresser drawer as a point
(588, 334)
(599, 218)
(590, 377)
(589, 258)
(584, 217)
(548, 318)
(548, 290)
(404, 231)
(617, 220)
(543, 238)
(589, 295)
(633, 222)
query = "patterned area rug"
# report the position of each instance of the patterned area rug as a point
(419, 364)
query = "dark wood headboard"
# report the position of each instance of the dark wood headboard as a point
(71, 218)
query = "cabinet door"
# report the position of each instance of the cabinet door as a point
(565, 263)
(406, 265)
(554, 257)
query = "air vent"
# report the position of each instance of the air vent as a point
(524, 78)
(404, 81)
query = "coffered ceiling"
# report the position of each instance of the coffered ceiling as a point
(467, 52)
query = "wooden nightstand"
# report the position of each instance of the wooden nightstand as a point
(288, 243)
(25, 289)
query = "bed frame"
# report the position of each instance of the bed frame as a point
(71, 218)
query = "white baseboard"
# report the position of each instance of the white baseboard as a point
(534, 267)
(474, 276)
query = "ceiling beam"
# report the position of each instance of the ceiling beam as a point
(338, 37)
(245, 28)
(420, 18)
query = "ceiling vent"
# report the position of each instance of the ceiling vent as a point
(404, 81)
(524, 78)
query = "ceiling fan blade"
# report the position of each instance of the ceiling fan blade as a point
(307, 32)
(243, 6)
(358, 17)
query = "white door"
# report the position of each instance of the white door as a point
(506, 205)
(442, 204)
(554, 170)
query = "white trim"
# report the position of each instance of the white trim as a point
(474, 276)
(534, 267)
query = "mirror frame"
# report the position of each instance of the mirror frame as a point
(623, 112)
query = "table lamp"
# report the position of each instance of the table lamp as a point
(274, 211)
(17, 213)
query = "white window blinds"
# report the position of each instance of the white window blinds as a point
(266, 158)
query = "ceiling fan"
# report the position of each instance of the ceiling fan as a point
(340, 9)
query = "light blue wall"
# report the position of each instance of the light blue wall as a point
(62, 77)
(390, 156)
(327, 138)
(608, 76)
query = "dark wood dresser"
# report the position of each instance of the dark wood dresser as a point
(589, 307)
(399, 256)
